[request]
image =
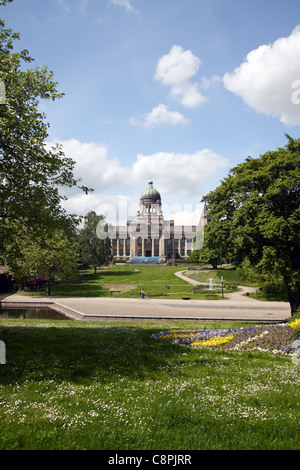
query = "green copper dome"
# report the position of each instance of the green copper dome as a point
(150, 192)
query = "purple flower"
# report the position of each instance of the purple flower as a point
(264, 337)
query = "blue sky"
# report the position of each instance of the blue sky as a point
(179, 91)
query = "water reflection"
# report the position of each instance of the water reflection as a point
(32, 313)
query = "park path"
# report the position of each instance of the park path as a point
(102, 308)
(238, 296)
(236, 306)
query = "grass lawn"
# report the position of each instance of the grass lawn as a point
(113, 385)
(229, 275)
(157, 281)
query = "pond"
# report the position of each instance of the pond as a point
(32, 313)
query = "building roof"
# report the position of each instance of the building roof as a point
(150, 192)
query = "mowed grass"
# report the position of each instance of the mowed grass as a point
(112, 385)
(136, 276)
(127, 281)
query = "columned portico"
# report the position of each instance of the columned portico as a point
(150, 235)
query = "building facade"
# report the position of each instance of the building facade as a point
(150, 236)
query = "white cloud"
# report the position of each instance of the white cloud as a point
(264, 80)
(161, 115)
(211, 82)
(186, 214)
(177, 66)
(181, 174)
(93, 165)
(63, 5)
(81, 5)
(124, 4)
(176, 176)
(176, 69)
(116, 209)
(178, 173)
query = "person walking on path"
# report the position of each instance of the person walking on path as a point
(142, 294)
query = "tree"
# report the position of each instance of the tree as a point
(52, 258)
(216, 246)
(194, 256)
(31, 173)
(94, 251)
(258, 206)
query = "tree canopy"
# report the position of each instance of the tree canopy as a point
(31, 172)
(257, 206)
(52, 258)
(94, 251)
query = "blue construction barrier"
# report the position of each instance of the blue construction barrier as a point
(144, 260)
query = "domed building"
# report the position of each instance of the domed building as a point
(150, 195)
(150, 203)
(150, 238)
(146, 233)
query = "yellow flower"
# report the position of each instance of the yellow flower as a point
(295, 323)
(179, 335)
(215, 341)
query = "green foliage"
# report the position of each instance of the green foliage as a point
(273, 290)
(194, 257)
(94, 251)
(53, 258)
(296, 334)
(256, 212)
(296, 331)
(216, 246)
(111, 385)
(248, 273)
(31, 173)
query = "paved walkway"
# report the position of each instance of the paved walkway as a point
(238, 307)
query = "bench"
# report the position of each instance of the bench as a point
(115, 292)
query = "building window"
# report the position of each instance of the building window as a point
(156, 247)
(121, 250)
(128, 247)
(139, 247)
(148, 247)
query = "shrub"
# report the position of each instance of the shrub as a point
(274, 290)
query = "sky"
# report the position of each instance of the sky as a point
(179, 91)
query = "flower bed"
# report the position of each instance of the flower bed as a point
(277, 339)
